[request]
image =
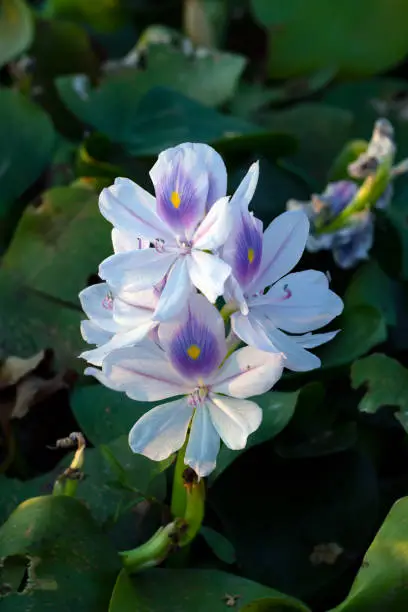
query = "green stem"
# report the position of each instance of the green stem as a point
(154, 551)
(194, 514)
(227, 310)
(178, 497)
(368, 194)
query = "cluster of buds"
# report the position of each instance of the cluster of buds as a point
(157, 331)
(342, 218)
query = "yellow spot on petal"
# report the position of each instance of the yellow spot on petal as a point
(251, 255)
(194, 351)
(175, 199)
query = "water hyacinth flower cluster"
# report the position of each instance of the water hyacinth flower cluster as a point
(342, 218)
(157, 332)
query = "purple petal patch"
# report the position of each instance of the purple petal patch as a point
(181, 192)
(194, 350)
(248, 249)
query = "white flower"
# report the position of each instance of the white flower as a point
(187, 222)
(190, 362)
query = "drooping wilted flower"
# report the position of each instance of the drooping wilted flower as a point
(351, 240)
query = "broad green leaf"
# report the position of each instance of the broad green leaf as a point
(219, 544)
(370, 286)
(387, 382)
(30, 322)
(60, 47)
(321, 131)
(26, 145)
(72, 564)
(277, 410)
(103, 414)
(306, 36)
(59, 244)
(115, 481)
(171, 590)
(210, 80)
(275, 604)
(16, 29)
(381, 582)
(161, 119)
(362, 328)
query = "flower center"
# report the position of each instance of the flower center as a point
(196, 399)
(175, 199)
(193, 351)
(107, 301)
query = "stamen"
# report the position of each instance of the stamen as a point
(159, 245)
(107, 301)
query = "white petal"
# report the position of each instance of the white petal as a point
(134, 336)
(100, 376)
(161, 431)
(213, 231)
(176, 292)
(132, 209)
(136, 270)
(217, 172)
(248, 372)
(131, 309)
(144, 373)
(246, 189)
(98, 306)
(203, 443)
(283, 244)
(208, 273)
(93, 334)
(261, 334)
(309, 341)
(234, 419)
(127, 241)
(301, 302)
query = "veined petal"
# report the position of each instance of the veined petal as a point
(132, 209)
(246, 189)
(234, 293)
(248, 372)
(283, 244)
(161, 431)
(203, 443)
(234, 419)
(93, 334)
(216, 170)
(120, 340)
(100, 376)
(136, 270)
(176, 292)
(309, 341)
(213, 231)
(181, 186)
(195, 345)
(259, 332)
(126, 241)
(208, 273)
(144, 373)
(243, 249)
(97, 303)
(300, 302)
(131, 309)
